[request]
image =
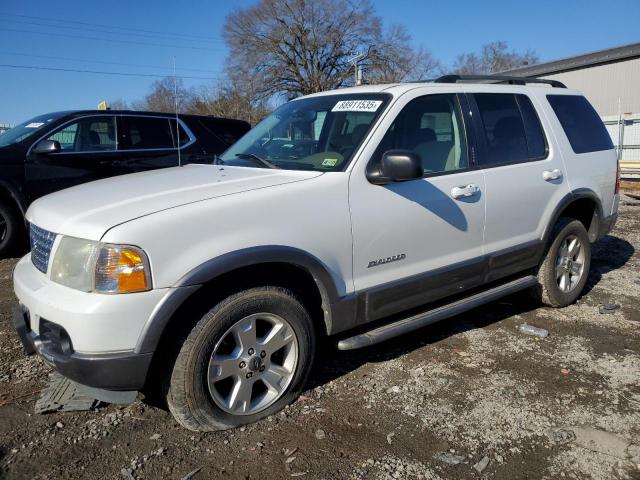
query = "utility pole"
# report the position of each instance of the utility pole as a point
(357, 68)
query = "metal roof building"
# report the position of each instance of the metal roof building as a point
(605, 77)
(610, 79)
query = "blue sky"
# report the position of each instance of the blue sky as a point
(553, 29)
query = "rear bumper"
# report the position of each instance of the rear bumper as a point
(607, 224)
(122, 371)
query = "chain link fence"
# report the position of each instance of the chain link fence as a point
(625, 133)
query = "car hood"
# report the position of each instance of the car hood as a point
(11, 153)
(89, 210)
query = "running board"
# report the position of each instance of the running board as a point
(423, 319)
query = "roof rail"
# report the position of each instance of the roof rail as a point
(499, 79)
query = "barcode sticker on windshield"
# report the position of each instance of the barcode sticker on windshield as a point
(34, 125)
(357, 106)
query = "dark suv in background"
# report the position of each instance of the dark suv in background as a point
(58, 150)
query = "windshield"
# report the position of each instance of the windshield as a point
(28, 128)
(318, 133)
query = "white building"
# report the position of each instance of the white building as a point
(611, 81)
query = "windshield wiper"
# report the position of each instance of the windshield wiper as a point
(257, 159)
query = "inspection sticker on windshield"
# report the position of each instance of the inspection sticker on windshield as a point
(34, 125)
(357, 106)
(329, 162)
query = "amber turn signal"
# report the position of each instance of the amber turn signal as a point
(122, 269)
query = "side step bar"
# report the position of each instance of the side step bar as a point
(423, 319)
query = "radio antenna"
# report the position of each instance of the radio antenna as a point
(175, 101)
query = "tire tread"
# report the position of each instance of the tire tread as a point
(180, 395)
(547, 290)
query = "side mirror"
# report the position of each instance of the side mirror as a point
(395, 166)
(44, 147)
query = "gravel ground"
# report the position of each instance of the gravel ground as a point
(471, 397)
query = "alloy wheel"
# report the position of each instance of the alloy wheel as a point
(570, 263)
(253, 364)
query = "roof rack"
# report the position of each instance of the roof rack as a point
(499, 79)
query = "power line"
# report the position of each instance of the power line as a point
(107, 32)
(128, 42)
(124, 74)
(101, 62)
(116, 27)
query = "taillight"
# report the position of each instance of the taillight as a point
(617, 190)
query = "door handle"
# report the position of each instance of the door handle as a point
(549, 175)
(465, 191)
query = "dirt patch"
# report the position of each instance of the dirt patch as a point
(630, 187)
(471, 397)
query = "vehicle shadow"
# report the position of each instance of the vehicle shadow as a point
(332, 363)
(434, 200)
(608, 254)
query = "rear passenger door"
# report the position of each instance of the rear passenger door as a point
(524, 177)
(149, 142)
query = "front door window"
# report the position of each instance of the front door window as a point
(90, 134)
(430, 126)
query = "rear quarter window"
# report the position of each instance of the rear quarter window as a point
(215, 135)
(581, 123)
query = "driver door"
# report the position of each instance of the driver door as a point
(417, 241)
(88, 152)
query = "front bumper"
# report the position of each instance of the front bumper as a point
(88, 337)
(125, 371)
(96, 323)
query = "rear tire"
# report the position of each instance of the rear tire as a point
(565, 268)
(233, 349)
(11, 229)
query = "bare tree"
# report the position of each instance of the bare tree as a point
(162, 97)
(227, 100)
(494, 57)
(297, 47)
(395, 60)
(118, 104)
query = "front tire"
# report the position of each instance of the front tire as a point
(565, 268)
(245, 359)
(11, 229)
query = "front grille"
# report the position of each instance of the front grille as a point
(41, 244)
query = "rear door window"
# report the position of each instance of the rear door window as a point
(511, 129)
(581, 123)
(144, 133)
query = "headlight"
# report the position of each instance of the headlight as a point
(104, 268)
(74, 263)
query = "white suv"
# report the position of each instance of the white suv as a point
(339, 210)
